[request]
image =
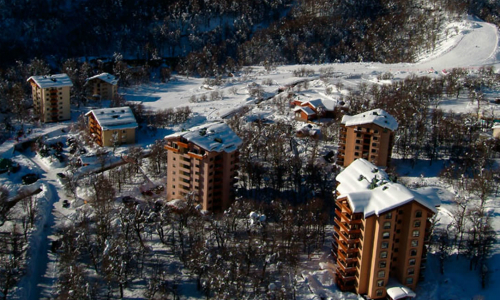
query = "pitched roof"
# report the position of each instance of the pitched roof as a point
(376, 116)
(370, 191)
(114, 118)
(111, 79)
(48, 81)
(305, 109)
(328, 104)
(211, 137)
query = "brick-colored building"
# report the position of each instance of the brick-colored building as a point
(112, 126)
(203, 161)
(381, 233)
(368, 135)
(51, 97)
(103, 86)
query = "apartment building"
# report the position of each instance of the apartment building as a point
(381, 234)
(368, 135)
(112, 126)
(203, 162)
(103, 86)
(51, 97)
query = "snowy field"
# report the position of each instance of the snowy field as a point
(468, 44)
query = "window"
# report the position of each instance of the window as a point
(356, 148)
(380, 292)
(412, 261)
(387, 225)
(385, 245)
(416, 223)
(386, 235)
(414, 243)
(173, 186)
(356, 153)
(381, 274)
(358, 134)
(416, 233)
(383, 254)
(374, 144)
(411, 271)
(380, 282)
(413, 252)
(375, 131)
(382, 264)
(388, 216)
(409, 280)
(418, 214)
(396, 250)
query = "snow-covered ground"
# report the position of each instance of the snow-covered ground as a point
(469, 44)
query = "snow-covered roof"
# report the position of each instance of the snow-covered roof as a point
(211, 137)
(376, 116)
(496, 125)
(305, 109)
(111, 79)
(370, 191)
(397, 291)
(114, 118)
(49, 81)
(328, 104)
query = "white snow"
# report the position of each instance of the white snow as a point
(211, 137)
(114, 118)
(370, 191)
(52, 81)
(106, 77)
(374, 116)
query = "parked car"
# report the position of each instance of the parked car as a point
(65, 204)
(29, 178)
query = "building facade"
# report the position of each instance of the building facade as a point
(112, 126)
(102, 87)
(369, 135)
(203, 162)
(51, 97)
(381, 233)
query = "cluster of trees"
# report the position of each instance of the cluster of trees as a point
(112, 243)
(275, 164)
(425, 130)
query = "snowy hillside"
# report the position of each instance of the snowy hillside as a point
(254, 94)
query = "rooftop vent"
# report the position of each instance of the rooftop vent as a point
(218, 140)
(115, 116)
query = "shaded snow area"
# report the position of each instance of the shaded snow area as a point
(260, 97)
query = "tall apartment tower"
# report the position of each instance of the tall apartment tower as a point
(368, 135)
(203, 161)
(51, 97)
(381, 233)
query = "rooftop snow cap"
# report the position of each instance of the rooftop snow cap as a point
(114, 118)
(370, 192)
(216, 137)
(111, 79)
(376, 116)
(51, 81)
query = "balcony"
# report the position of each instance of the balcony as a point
(350, 238)
(347, 218)
(348, 257)
(345, 276)
(195, 155)
(348, 269)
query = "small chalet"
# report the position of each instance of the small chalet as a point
(103, 86)
(314, 109)
(112, 126)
